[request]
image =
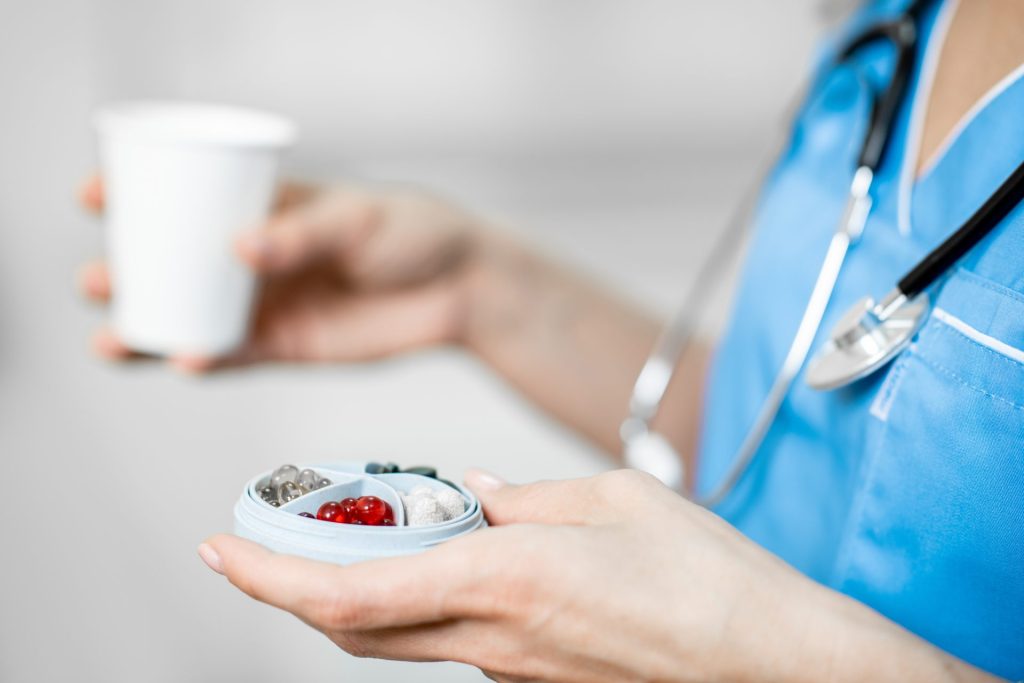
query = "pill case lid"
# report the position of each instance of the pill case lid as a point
(283, 530)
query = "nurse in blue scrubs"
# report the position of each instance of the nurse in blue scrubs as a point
(880, 532)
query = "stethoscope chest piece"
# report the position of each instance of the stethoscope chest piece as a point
(868, 336)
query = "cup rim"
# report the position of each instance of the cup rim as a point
(191, 122)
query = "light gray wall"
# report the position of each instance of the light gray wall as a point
(616, 134)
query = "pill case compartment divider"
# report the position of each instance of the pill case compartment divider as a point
(283, 530)
(352, 486)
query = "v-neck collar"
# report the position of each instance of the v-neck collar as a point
(918, 110)
(909, 179)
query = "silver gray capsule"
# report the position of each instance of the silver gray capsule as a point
(282, 474)
(323, 482)
(308, 479)
(268, 493)
(288, 491)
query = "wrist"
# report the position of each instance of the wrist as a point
(494, 291)
(787, 628)
(852, 642)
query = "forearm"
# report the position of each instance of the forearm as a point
(835, 639)
(874, 648)
(570, 346)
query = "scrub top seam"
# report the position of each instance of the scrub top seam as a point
(865, 477)
(985, 283)
(940, 368)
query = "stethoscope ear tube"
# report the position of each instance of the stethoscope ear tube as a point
(642, 448)
(902, 34)
(977, 227)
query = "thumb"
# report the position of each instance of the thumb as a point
(329, 228)
(571, 501)
(91, 194)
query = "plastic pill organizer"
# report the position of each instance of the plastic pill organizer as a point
(272, 515)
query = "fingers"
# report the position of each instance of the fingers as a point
(376, 594)
(603, 499)
(90, 194)
(200, 365)
(544, 502)
(292, 193)
(316, 230)
(94, 281)
(488, 645)
(427, 607)
(106, 345)
(467, 641)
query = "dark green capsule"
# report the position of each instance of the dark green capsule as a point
(422, 470)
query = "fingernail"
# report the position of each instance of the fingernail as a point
(210, 557)
(483, 480)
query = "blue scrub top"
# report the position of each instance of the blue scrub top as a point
(906, 489)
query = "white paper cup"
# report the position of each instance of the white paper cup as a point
(181, 181)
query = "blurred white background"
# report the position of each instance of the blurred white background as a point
(616, 134)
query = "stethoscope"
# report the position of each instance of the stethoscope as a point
(867, 337)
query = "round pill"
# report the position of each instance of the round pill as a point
(452, 502)
(423, 510)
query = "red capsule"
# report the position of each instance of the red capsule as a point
(373, 511)
(349, 506)
(332, 512)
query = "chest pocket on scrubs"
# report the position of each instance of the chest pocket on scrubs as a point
(935, 538)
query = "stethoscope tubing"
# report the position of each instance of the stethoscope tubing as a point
(810, 322)
(657, 371)
(978, 226)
